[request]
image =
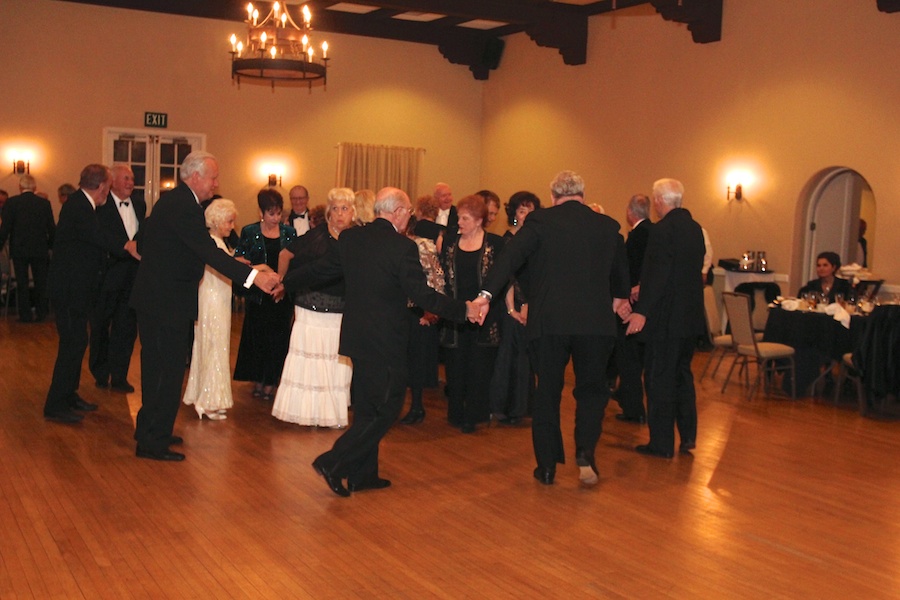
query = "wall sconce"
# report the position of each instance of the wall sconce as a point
(274, 180)
(21, 167)
(737, 194)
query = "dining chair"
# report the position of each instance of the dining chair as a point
(768, 356)
(722, 344)
(847, 370)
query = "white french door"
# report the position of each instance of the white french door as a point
(153, 155)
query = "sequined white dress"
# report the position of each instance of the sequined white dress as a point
(209, 383)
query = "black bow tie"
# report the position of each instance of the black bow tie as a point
(301, 216)
(123, 203)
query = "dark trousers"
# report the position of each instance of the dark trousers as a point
(40, 267)
(469, 369)
(163, 348)
(113, 332)
(512, 383)
(379, 388)
(590, 356)
(671, 399)
(629, 357)
(422, 359)
(71, 326)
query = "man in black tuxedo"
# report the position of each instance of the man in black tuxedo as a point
(577, 276)
(381, 270)
(670, 313)
(629, 353)
(174, 246)
(27, 221)
(447, 215)
(79, 251)
(299, 215)
(113, 321)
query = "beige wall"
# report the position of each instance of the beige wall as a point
(80, 68)
(794, 87)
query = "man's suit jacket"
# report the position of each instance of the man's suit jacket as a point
(636, 248)
(28, 224)
(79, 253)
(671, 281)
(576, 266)
(174, 245)
(381, 270)
(119, 271)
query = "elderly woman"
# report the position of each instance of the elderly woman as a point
(364, 203)
(492, 202)
(423, 332)
(315, 383)
(470, 348)
(827, 264)
(267, 324)
(209, 383)
(512, 383)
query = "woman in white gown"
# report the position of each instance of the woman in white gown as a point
(315, 383)
(209, 383)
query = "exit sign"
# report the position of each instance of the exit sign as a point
(155, 119)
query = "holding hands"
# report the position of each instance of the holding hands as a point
(477, 310)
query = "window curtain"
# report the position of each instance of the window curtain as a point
(367, 166)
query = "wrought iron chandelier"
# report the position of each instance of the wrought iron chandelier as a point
(277, 49)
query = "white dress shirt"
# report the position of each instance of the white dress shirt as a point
(129, 218)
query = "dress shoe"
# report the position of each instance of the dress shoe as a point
(64, 416)
(175, 440)
(334, 483)
(510, 420)
(102, 384)
(686, 446)
(640, 419)
(213, 415)
(413, 417)
(649, 450)
(166, 454)
(587, 470)
(79, 404)
(467, 428)
(122, 386)
(376, 484)
(544, 475)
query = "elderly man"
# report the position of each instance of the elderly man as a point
(79, 251)
(446, 211)
(27, 221)
(174, 246)
(629, 351)
(381, 270)
(114, 322)
(669, 312)
(578, 275)
(299, 217)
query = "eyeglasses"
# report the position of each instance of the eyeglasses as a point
(404, 208)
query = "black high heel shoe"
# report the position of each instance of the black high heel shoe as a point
(413, 417)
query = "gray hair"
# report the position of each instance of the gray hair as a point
(639, 206)
(567, 183)
(388, 199)
(670, 191)
(195, 162)
(93, 176)
(26, 182)
(219, 211)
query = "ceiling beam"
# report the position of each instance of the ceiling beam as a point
(703, 17)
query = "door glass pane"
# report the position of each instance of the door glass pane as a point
(166, 177)
(167, 154)
(183, 150)
(140, 175)
(139, 152)
(120, 151)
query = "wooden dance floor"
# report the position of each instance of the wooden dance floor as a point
(781, 499)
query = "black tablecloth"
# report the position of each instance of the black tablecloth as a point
(816, 337)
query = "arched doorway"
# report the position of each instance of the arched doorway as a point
(831, 205)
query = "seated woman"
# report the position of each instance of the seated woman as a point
(315, 383)
(827, 264)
